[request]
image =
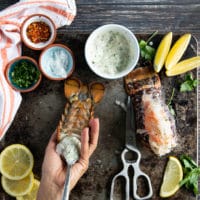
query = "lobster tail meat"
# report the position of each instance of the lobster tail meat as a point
(78, 111)
(155, 124)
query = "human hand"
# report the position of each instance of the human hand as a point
(54, 168)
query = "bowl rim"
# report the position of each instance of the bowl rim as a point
(57, 45)
(136, 59)
(53, 32)
(8, 79)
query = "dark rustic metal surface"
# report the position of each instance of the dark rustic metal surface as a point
(41, 109)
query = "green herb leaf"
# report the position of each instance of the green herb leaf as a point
(191, 174)
(189, 83)
(146, 50)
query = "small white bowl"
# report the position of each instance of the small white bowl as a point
(116, 56)
(38, 18)
(57, 62)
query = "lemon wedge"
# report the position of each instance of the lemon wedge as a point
(172, 176)
(17, 187)
(184, 66)
(32, 195)
(16, 162)
(177, 51)
(162, 52)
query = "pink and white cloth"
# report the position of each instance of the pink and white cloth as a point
(62, 12)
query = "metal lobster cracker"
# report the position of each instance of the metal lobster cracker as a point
(131, 146)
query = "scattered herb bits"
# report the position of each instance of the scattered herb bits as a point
(189, 83)
(146, 50)
(25, 74)
(191, 174)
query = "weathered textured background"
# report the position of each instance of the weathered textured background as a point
(40, 110)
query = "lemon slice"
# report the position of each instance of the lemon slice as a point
(172, 176)
(17, 187)
(184, 66)
(16, 162)
(177, 51)
(32, 195)
(162, 51)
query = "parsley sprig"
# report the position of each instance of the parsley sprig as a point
(191, 174)
(146, 50)
(189, 83)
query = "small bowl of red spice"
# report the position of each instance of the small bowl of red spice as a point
(38, 31)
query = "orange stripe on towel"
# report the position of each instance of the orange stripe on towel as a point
(64, 13)
(11, 109)
(11, 94)
(4, 106)
(9, 22)
(4, 53)
(11, 14)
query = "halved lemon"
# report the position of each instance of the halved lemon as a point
(17, 187)
(172, 176)
(32, 195)
(16, 162)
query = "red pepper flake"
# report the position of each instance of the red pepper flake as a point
(38, 32)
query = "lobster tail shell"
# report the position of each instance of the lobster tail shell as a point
(80, 106)
(97, 91)
(75, 118)
(72, 87)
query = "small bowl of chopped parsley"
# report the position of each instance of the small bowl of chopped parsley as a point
(23, 74)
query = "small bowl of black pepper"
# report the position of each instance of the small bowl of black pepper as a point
(38, 31)
(23, 74)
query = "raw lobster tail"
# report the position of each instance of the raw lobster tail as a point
(155, 124)
(78, 111)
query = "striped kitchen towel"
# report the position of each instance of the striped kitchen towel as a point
(62, 12)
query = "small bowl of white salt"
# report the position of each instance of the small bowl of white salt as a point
(57, 62)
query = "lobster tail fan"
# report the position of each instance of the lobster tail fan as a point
(97, 91)
(72, 88)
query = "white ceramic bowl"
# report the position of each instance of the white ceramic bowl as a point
(38, 18)
(116, 56)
